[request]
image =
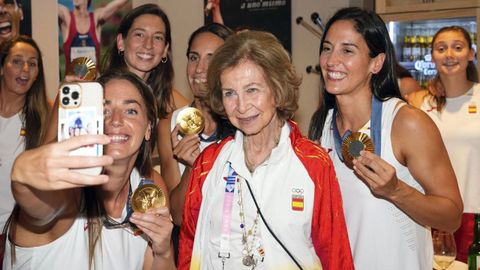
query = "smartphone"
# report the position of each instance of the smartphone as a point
(80, 112)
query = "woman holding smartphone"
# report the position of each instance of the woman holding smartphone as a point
(65, 212)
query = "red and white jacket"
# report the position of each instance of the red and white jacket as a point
(297, 191)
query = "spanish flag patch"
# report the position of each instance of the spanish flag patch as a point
(297, 202)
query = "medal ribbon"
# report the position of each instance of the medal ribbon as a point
(212, 138)
(110, 223)
(227, 214)
(375, 128)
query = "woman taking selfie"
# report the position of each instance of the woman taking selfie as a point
(65, 212)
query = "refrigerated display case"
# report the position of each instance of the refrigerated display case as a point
(412, 24)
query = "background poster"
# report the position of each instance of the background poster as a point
(267, 15)
(109, 29)
(26, 23)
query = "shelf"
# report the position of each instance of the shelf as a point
(402, 6)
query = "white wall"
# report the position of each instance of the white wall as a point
(185, 16)
(45, 33)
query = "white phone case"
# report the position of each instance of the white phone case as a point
(80, 112)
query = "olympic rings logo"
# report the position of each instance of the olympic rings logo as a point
(297, 190)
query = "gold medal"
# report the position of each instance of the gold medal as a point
(353, 144)
(83, 67)
(190, 120)
(146, 197)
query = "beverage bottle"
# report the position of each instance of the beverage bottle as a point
(406, 49)
(431, 32)
(474, 249)
(422, 41)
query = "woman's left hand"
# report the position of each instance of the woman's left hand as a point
(157, 225)
(380, 176)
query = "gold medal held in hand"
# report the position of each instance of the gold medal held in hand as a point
(146, 197)
(82, 67)
(353, 144)
(190, 121)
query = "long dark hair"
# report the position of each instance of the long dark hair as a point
(383, 84)
(224, 127)
(161, 77)
(472, 74)
(35, 109)
(92, 204)
(217, 29)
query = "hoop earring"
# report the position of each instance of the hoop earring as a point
(164, 60)
(120, 52)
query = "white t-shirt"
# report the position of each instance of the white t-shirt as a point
(382, 237)
(459, 125)
(11, 145)
(118, 249)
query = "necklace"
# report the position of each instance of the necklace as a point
(247, 252)
(251, 166)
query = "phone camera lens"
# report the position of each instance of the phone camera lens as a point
(66, 90)
(65, 101)
(75, 95)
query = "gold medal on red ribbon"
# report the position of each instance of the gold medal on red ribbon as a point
(83, 67)
(353, 144)
(146, 197)
(190, 121)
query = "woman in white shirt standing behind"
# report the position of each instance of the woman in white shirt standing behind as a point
(23, 110)
(452, 102)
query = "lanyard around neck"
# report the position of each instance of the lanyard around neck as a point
(110, 223)
(227, 214)
(375, 128)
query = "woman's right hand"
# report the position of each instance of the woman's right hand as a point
(187, 149)
(48, 167)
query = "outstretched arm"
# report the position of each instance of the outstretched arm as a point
(105, 13)
(216, 12)
(42, 182)
(418, 145)
(63, 12)
(63, 20)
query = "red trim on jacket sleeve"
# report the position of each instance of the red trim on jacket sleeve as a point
(329, 231)
(193, 201)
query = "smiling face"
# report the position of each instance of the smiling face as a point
(451, 53)
(10, 17)
(202, 48)
(20, 69)
(248, 99)
(125, 120)
(144, 45)
(345, 61)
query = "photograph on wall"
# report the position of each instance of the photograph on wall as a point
(87, 28)
(16, 19)
(267, 15)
